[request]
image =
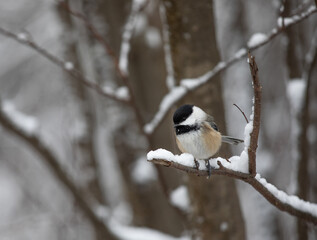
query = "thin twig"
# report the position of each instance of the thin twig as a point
(256, 115)
(245, 117)
(62, 64)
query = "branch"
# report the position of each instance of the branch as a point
(290, 204)
(188, 85)
(121, 64)
(68, 67)
(245, 117)
(11, 125)
(256, 115)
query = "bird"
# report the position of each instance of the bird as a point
(197, 134)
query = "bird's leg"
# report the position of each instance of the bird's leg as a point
(196, 164)
(208, 167)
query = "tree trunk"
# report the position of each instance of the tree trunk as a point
(216, 210)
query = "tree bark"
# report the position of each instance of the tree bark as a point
(147, 77)
(216, 210)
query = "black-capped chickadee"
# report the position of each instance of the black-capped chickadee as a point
(197, 134)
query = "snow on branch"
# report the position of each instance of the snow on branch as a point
(66, 66)
(234, 168)
(241, 167)
(23, 127)
(137, 6)
(29, 124)
(140, 233)
(187, 85)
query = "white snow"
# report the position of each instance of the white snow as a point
(287, 21)
(240, 53)
(224, 226)
(143, 172)
(257, 39)
(68, 66)
(22, 36)
(291, 200)
(28, 124)
(180, 198)
(295, 93)
(153, 37)
(120, 93)
(247, 131)
(193, 83)
(139, 233)
(185, 159)
(127, 34)
(295, 18)
(234, 163)
(169, 99)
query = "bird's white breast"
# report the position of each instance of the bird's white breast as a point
(194, 144)
(202, 145)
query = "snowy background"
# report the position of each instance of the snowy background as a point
(101, 145)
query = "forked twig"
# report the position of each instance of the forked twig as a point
(245, 117)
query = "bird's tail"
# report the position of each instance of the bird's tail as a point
(231, 140)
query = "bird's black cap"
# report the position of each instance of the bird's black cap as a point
(182, 113)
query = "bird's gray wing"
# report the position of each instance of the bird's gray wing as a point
(210, 121)
(231, 140)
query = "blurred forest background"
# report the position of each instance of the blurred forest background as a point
(85, 176)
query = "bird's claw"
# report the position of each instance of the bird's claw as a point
(196, 164)
(208, 168)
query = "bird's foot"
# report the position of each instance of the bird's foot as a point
(196, 164)
(208, 168)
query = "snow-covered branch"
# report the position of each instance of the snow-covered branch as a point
(241, 167)
(256, 115)
(66, 66)
(235, 167)
(188, 85)
(137, 6)
(24, 127)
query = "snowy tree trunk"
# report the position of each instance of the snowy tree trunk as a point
(216, 210)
